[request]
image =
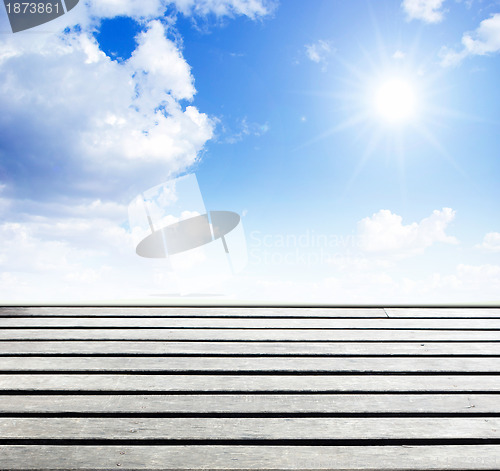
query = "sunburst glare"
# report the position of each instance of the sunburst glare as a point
(391, 104)
(395, 101)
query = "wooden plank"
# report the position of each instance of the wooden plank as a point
(222, 383)
(271, 323)
(250, 348)
(443, 313)
(264, 364)
(202, 428)
(481, 312)
(260, 403)
(251, 335)
(192, 311)
(347, 458)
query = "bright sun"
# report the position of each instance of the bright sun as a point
(395, 101)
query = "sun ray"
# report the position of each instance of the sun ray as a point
(395, 100)
(431, 139)
(442, 112)
(346, 124)
(372, 144)
(386, 101)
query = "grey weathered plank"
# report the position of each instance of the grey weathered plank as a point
(192, 311)
(347, 458)
(206, 382)
(254, 323)
(251, 348)
(291, 364)
(427, 394)
(443, 312)
(250, 334)
(202, 428)
(260, 403)
(252, 312)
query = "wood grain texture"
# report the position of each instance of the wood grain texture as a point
(443, 313)
(252, 335)
(248, 429)
(192, 311)
(347, 458)
(245, 364)
(424, 378)
(253, 323)
(250, 348)
(221, 383)
(267, 403)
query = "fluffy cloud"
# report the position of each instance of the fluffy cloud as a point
(150, 9)
(250, 8)
(491, 242)
(86, 134)
(163, 63)
(484, 40)
(318, 51)
(84, 125)
(384, 233)
(89, 124)
(429, 11)
(146, 9)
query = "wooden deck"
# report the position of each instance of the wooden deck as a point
(249, 388)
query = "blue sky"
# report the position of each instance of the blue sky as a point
(288, 113)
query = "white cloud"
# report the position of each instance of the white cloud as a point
(484, 40)
(75, 258)
(93, 133)
(247, 129)
(318, 51)
(251, 8)
(384, 233)
(399, 55)
(163, 63)
(147, 9)
(429, 11)
(491, 242)
(91, 117)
